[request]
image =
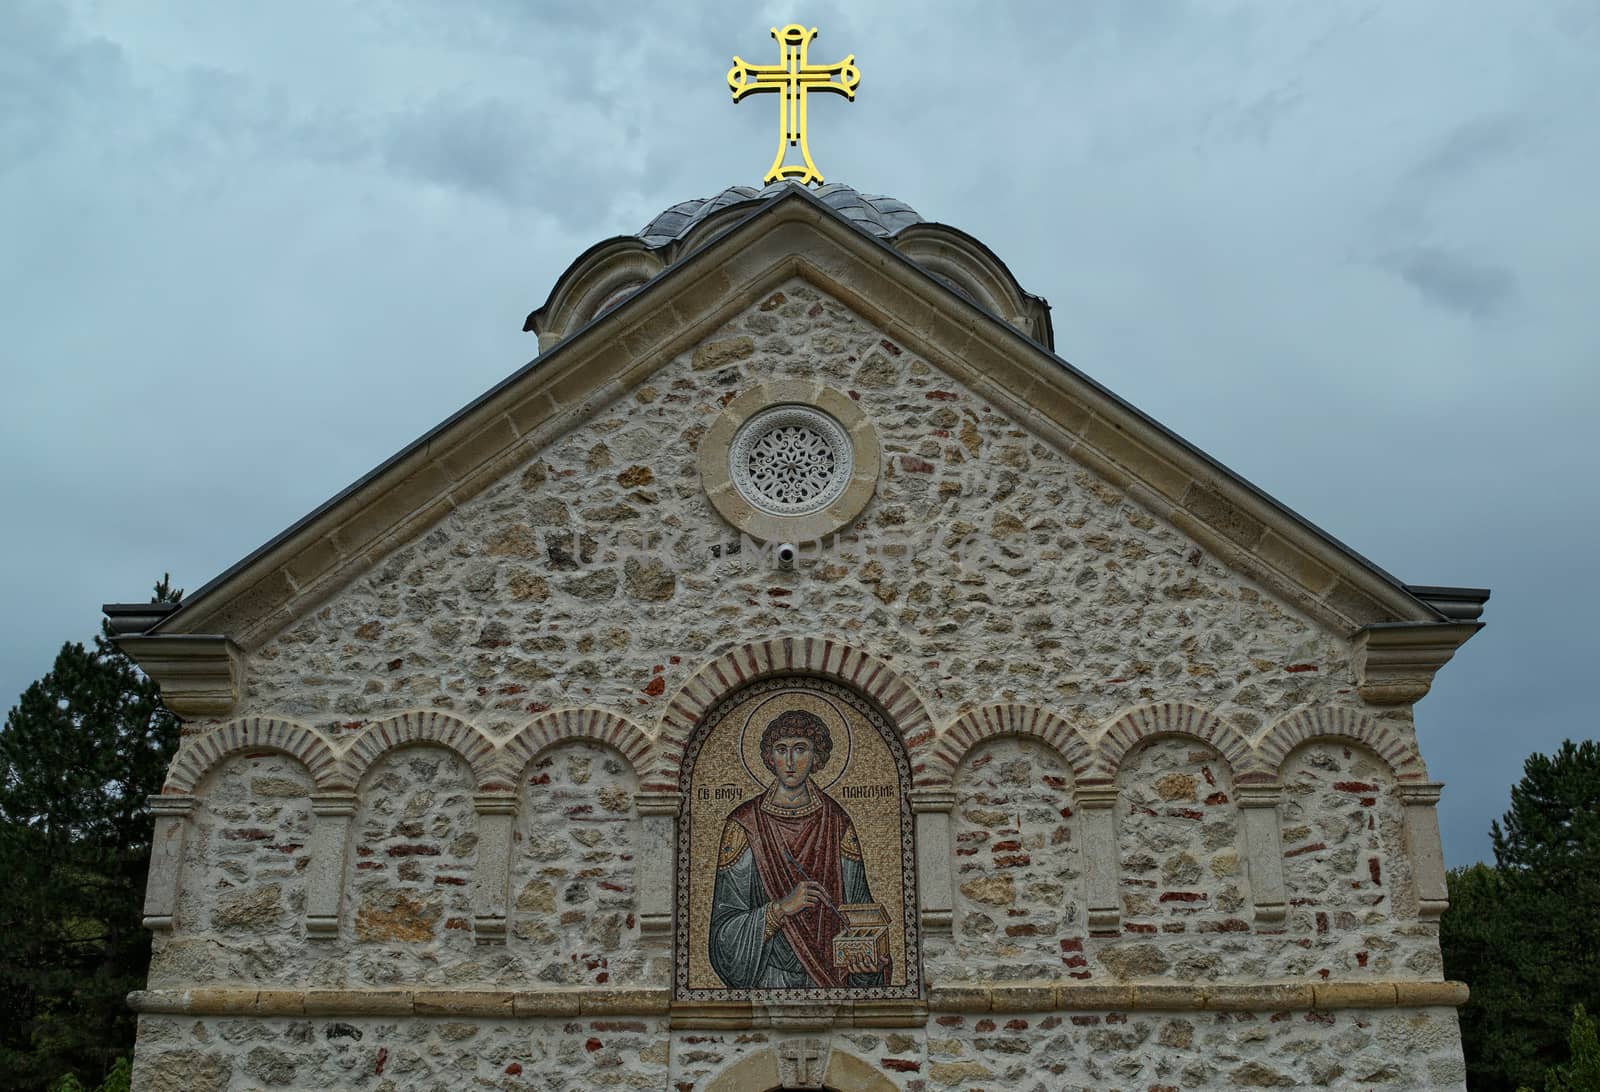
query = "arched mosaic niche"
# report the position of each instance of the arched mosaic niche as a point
(760, 824)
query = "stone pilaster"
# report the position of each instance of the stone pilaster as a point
(1422, 843)
(331, 817)
(1264, 850)
(658, 855)
(491, 904)
(166, 859)
(935, 882)
(1096, 803)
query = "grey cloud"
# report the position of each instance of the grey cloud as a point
(52, 79)
(1453, 281)
(483, 147)
(1469, 146)
(497, 149)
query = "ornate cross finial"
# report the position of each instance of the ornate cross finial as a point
(795, 78)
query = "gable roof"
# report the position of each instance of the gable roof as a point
(795, 234)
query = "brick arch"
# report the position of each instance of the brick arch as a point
(970, 730)
(818, 656)
(381, 737)
(193, 762)
(1304, 725)
(1172, 718)
(557, 726)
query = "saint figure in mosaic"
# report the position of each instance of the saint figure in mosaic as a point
(789, 860)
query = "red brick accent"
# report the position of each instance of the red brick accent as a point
(549, 729)
(970, 730)
(1171, 718)
(746, 663)
(1392, 744)
(379, 738)
(200, 755)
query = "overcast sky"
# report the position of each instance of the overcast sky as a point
(248, 251)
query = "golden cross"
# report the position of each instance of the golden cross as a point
(795, 78)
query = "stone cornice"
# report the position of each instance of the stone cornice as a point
(932, 800)
(999, 997)
(1419, 793)
(200, 675)
(795, 235)
(1395, 661)
(658, 803)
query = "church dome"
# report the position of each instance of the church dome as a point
(869, 212)
(611, 271)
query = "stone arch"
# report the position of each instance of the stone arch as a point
(974, 728)
(817, 656)
(442, 729)
(1304, 725)
(974, 271)
(1171, 718)
(193, 762)
(772, 1070)
(246, 864)
(559, 725)
(596, 281)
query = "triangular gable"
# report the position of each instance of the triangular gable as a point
(796, 235)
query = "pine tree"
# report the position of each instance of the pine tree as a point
(1525, 934)
(79, 753)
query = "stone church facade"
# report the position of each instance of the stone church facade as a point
(473, 790)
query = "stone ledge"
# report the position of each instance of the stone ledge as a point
(741, 1015)
(1002, 997)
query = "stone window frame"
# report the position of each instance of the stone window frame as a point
(731, 505)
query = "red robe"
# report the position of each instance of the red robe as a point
(791, 846)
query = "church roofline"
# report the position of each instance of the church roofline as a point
(1240, 523)
(615, 268)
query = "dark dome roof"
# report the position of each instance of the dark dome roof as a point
(874, 214)
(613, 270)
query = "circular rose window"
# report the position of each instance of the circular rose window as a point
(790, 460)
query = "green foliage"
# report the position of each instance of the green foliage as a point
(1525, 934)
(79, 753)
(1582, 1073)
(120, 1079)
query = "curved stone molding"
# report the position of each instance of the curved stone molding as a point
(973, 270)
(809, 1062)
(820, 656)
(1171, 718)
(602, 276)
(195, 760)
(560, 725)
(716, 475)
(1304, 725)
(442, 729)
(972, 729)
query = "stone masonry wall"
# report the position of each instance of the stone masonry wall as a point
(1352, 908)
(1182, 861)
(1034, 1052)
(573, 872)
(241, 910)
(987, 568)
(525, 598)
(1018, 878)
(409, 892)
